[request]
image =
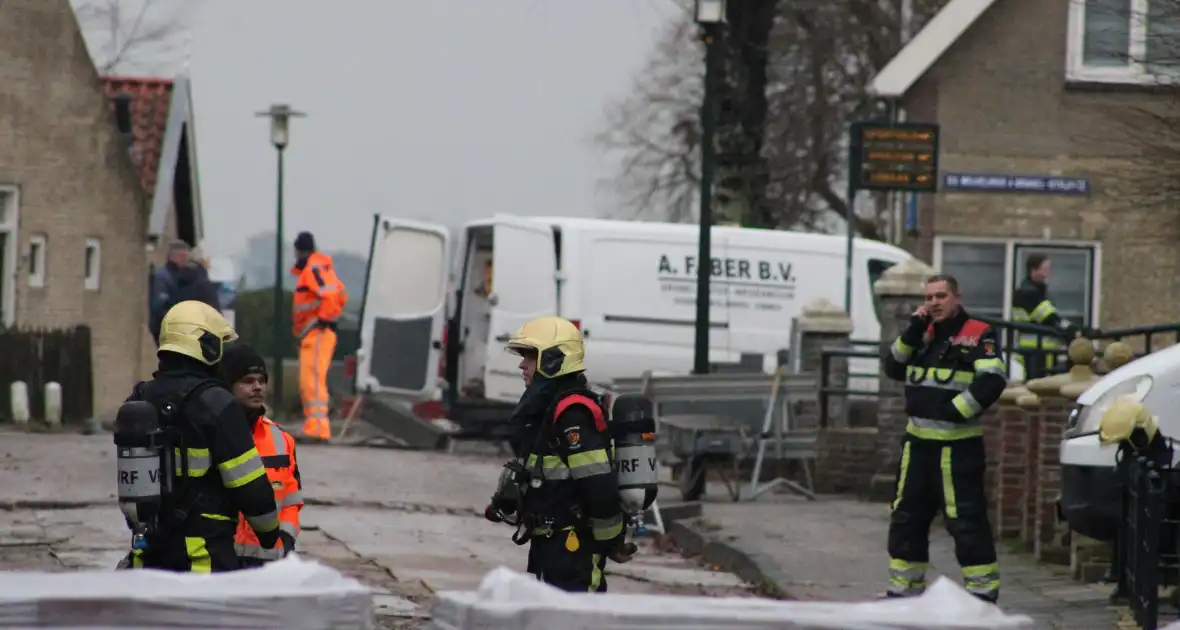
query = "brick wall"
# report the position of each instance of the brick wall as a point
(59, 146)
(1010, 483)
(847, 459)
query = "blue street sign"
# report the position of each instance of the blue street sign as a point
(1031, 184)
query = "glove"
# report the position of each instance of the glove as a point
(492, 514)
(919, 323)
(623, 553)
(288, 543)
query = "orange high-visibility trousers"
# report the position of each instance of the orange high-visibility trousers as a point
(315, 355)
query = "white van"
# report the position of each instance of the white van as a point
(630, 287)
(1089, 495)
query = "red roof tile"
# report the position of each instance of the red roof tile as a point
(150, 99)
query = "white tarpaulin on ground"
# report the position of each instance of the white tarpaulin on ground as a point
(507, 600)
(288, 594)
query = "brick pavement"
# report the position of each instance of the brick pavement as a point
(834, 549)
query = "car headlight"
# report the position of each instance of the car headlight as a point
(1136, 388)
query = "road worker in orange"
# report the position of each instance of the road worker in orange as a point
(245, 373)
(319, 300)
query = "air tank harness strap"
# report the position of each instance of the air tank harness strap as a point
(190, 499)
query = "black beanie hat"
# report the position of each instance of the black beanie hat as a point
(239, 360)
(305, 242)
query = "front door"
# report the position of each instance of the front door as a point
(524, 268)
(404, 308)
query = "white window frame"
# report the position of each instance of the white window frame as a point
(1010, 245)
(12, 254)
(37, 259)
(92, 279)
(1134, 73)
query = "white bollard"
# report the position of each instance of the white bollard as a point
(18, 394)
(53, 404)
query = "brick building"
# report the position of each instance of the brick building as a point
(75, 217)
(1035, 157)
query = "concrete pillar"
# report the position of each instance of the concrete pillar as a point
(822, 325)
(901, 289)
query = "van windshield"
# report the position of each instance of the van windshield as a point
(877, 267)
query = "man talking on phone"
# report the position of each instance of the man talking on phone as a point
(952, 372)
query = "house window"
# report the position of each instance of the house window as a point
(10, 253)
(990, 271)
(1124, 41)
(36, 260)
(981, 269)
(93, 263)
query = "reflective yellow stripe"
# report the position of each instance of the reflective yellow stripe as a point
(982, 579)
(948, 484)
(901, 474)
(906, 578)
(136, 558)
(901, 351)
(589, 464)
(242, 469)
(1043, 310)
(993, 365)
(263, 523)
(216, 517)
(198, 461)
(946, 433)
(595, 573)
(966, 405)
(198, 555)
(606, 528)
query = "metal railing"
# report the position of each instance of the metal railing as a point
(1146, 552)
(857, 349)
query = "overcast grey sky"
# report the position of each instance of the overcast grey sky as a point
(443, 110)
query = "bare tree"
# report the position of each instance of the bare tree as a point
(655, 130)
(820, 57)
(133, 36)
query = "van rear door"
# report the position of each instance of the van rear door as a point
(404, 308)
(524, 286)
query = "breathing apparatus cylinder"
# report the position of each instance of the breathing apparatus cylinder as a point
(634, 432)
(146, 468)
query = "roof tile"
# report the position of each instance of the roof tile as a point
(150, 99)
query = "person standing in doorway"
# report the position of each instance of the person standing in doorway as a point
(1031, 305)
(166, 286)
(319, 301)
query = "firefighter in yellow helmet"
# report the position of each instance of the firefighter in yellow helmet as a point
(1131, 426)
(570, 508)
(219, 473)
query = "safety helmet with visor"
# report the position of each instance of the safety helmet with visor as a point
(1128, 420)
(196, 330)
(555, 342)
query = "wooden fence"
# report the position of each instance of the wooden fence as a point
(38, 357)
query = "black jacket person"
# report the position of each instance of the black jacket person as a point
(572, 508)
(952, 373)
(1031, 305)
(220, 472)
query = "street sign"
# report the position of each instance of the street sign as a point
(1034, 184)
(894, 156)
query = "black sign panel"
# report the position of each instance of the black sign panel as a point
(897, 156)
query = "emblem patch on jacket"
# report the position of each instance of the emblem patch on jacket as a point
(573, 437)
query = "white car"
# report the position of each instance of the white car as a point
(1089, 491)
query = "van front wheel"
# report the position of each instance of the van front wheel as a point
(692, 479)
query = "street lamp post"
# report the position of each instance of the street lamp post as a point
(710, 15)
(280, 120)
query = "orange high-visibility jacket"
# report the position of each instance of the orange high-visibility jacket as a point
(277, 449)
(319, 295)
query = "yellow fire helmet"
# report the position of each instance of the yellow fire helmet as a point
(195, 330)
(1124, 416)
(557, 343)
